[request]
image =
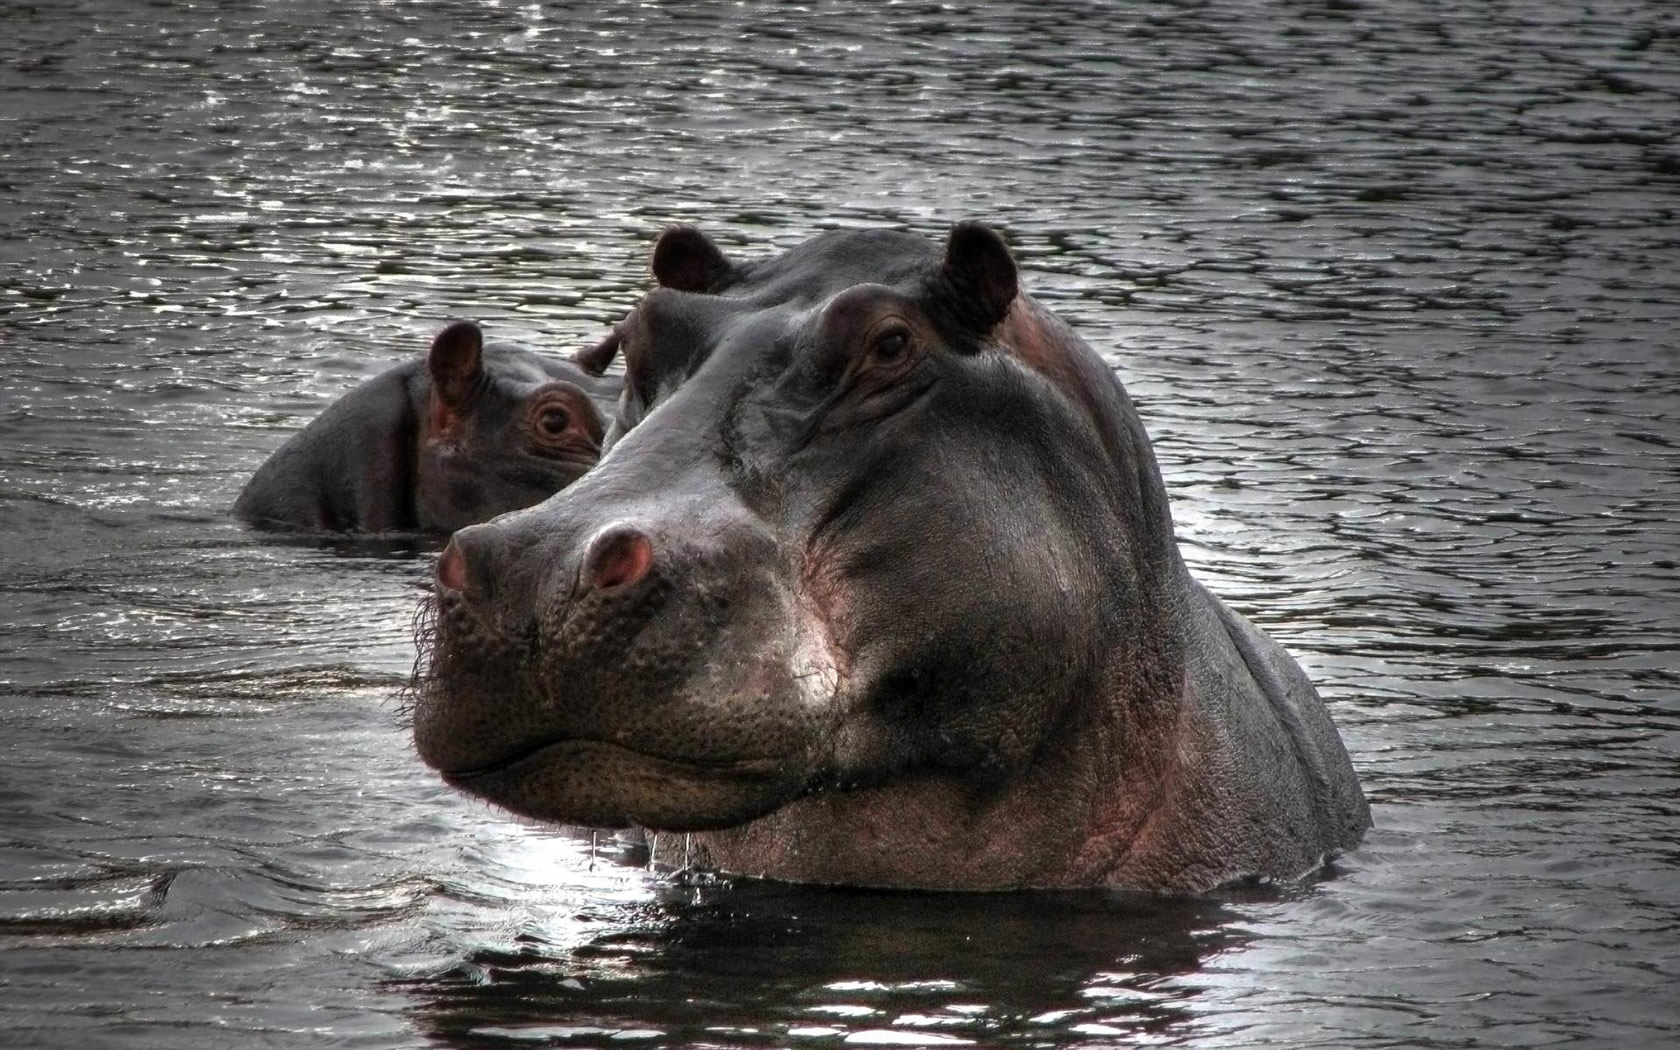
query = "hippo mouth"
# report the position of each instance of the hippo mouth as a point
(562, 748)
(605, 784)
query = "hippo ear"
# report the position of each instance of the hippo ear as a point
(596, 359)
(980, 272)
(456, 361)
(688, 260)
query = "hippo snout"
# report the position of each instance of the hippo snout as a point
(614, 560)
(572, 639)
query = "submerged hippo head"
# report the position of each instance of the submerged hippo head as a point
(466, 433)
(504, 429)
(876, 584)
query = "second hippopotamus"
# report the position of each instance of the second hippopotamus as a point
(469, 432)
(876, 585)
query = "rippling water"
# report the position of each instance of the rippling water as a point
(1397, 287)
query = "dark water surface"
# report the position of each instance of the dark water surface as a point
(1397, 287)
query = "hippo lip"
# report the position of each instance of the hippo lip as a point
(728, 768)
(603, 784)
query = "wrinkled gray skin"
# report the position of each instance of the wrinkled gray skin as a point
(470, 432)
(876, 584)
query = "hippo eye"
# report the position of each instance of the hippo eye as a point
(554, 421)
(890, 347)
(562, 422)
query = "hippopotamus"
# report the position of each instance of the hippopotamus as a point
(875, 585)
(431, 445)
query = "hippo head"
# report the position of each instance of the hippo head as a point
(501, 431)
(868, 516)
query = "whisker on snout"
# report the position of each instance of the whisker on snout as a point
(424, 628)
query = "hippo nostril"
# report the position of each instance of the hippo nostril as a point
(452, 568)
(618, 557)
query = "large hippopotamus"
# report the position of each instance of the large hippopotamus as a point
(876, 585)
(467, 433)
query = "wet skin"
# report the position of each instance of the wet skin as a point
(467, 433)
(876, 584)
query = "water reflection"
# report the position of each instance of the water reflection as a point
(740, 962)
